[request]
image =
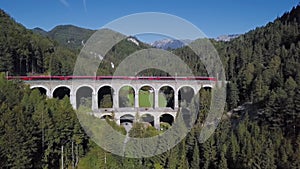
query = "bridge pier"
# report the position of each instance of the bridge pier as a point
(118, 121)
(115, 99)
(156, 96)
(136, 99)
(49, 95)
(94, 101)
(157, 122)
(73, 100)
(175, 100)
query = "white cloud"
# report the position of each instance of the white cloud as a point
(84, 5)
(64, 2)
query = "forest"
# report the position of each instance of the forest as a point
(262, 66)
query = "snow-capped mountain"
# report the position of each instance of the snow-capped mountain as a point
(133, 40)
(170, 43)
(227, 38)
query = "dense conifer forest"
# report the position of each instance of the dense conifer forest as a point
(262, 66)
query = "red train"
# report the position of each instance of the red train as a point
(29, 78)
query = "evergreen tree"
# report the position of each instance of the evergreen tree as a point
(233, 96)
(195, 163)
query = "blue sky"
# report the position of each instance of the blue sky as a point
(213, 17)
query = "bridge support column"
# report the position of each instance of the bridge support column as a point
(73, 101)
(136, 100)
(94, 101)
(115, 100)
(157, 122)
(175, 101)
(118, 119)
(48, 94)
(156, 96)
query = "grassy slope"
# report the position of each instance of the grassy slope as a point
(146, 99)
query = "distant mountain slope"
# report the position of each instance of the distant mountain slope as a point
(75, 37)
(70, 36)
(170, 44)
(40, 31)
(119, 53)
(23, 52)
(227, 38)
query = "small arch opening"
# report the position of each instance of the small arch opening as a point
(185, 96)
(42, 90)
(110, 117)
(146, 97)
(207, 88)
(167, 118)
(148, 118)
(61, 92)
(84, 97)
(105, 97)
(166, 97)
(124, 120)
(205, 95)
(126, 97)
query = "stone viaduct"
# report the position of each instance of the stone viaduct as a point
(78, 88)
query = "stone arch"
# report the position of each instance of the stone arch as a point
(148, 118)
(103, 85)
(169, 85)
(109, 116)
(146, 94)
(84, 96)
(207, 86)
(190, 86)
(105, 96)
(145, 85)
(127, 118)
(166, 94)
(61, 91)
(127, 85)
(166, 118)
(84, 85)
(43, 89)
(126, 96)
(185, 95)
(205, 96)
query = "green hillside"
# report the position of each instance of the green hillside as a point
(23, 52)
(70, 36)
(263, 70)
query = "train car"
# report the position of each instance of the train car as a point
(43, 77)
(25, 78)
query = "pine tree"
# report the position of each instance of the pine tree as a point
(267, 156)
(233, 150)
(223, 162)
(233, 96)
(195, 163)
(296, 116)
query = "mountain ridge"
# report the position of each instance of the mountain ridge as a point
(170, 43)
(70, 36)
(227, 38)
